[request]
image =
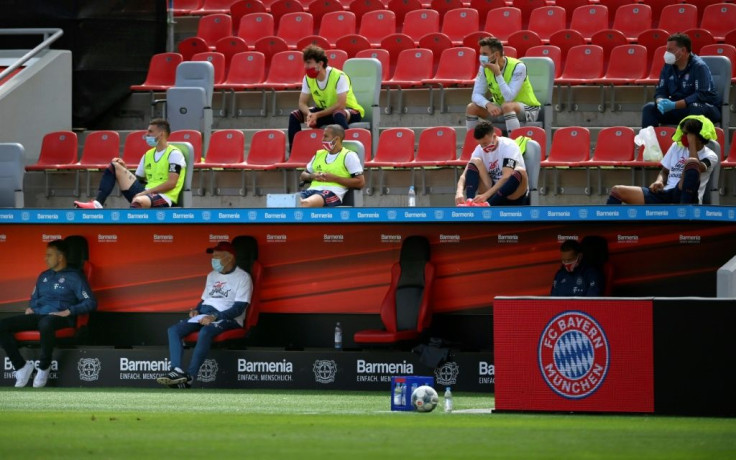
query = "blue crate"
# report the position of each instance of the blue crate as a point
(403, 387)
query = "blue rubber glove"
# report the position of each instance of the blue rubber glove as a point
(665, 105)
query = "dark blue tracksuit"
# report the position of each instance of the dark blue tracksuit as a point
(584, 281)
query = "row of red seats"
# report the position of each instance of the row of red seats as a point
(631, 20)
(457, 66)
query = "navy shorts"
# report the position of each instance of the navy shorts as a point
(157, 201)
(331, 200)
(664, 197)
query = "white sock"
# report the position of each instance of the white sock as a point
(512, 122)
(470, 122)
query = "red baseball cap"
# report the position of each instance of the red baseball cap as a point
(222, 246)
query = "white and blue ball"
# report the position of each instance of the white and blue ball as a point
(424, 399)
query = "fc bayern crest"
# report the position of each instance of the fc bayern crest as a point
(573, 355)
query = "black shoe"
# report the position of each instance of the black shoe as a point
(187, 384)
(175, 377)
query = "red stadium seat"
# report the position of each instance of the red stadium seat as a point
(217, 60)
(570, 148)
(730, 38)
(214, 7)
(267, 149)
(656, 63)
(353, 44)
(613, 6)
(678, 17)
(161, 72)
(471, 40)
(361, 135)
(336, 58)
(363, 7)
(395, 149)
(306, 143)
(627, 65)
(589, 19)
(134, 147)
(700, 38)
(584, 64)
(380, 54)
(319, 8)
(458, 22)
(503, 22)
(229, 47)
(294, 26)
(458, 66)
(336, 24)
(247, 68)
(100, 147)
(314, 40)
(214, 27)
(395, 44)
(286, 72)
(413, 66)
(526, 7)
(191, 46)
(270, 46)
(613, 149)
(255, 26)
(657, 7)
(721, 49)
(279, 8)
(570, 6)
(242, 8)
(719, 19)
(550, 51)
(186, 7)
(192, 136)
(377, 24)
(652, 38)
(58, 150)
(444, 6)
(608, 39)
(484, 6)
(421, 22)
(632, 19)
(401, 8)
(437, 146)
(566, 39)
(437, 43)
(547, 20)
(535, 133)
(523, 40)
(226, 152)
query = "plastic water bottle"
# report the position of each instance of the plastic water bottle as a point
(448, 400)
(412, 197)
(398, 390)
(338, 336)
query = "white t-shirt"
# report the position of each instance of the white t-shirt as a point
(342, 83)
(352, 163)
(175, 158)
(675, 159)
(506, 155)
(222, 290)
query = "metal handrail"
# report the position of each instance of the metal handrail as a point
(49, 36)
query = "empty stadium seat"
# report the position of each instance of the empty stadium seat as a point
(352, 44)
(319, 8)
(365, 76)
(547, 20)
(395, 150)
(437, 146)
(651, 39)
(218, 63)
(418, 23)
(161, 72)
(191, 46)
(314, 40)
(100, 147)
(214, 27)
(541, 74)
(437, 43)
(246, 257)
(664, 138)
(457, 22)
(78, 259)
(336, 58)
(285, 72)
(722, 49)
(526, 7)
(226, 152)
(382, 56)
(188, 136)
(570, 149)
(363, 136)
(700, 37)
(628, 64)
(401, 8)
(336, 24)
(566, 39)
(11, 175)
(655, 68)
(134, 147)
(503, 22)
(280, 8)
(472, 39)
(363, 7)
(608, 39)
(229, 47)
(58, 152)
(721, 70)
(406, 308)
(678, 17)
(412, 67)
(270, 46)
(584, 64)
(719, 19)
(185, 7)
(614, 148)
(549, 51)
(457, 67)
(246, 68)
(267, 149)
(254, 26)
(377, 24)
(214, 7)
(444, 6)
(484, 6)
(535, 133)
(523, 40)
(242, 8)
(589, 19)
(294, 26)
(632, 19)
(395, 44)
(613, 6)
(306, 143)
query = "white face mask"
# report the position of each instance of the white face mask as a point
(669, 58)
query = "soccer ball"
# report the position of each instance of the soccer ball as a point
(424, 399)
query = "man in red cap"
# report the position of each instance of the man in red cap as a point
(224, 300)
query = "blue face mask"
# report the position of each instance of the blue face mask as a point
(151, 141)
(217, 265)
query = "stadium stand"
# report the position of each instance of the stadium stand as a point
(242, 8)
(382, 56)
(503, 22)
(294, 26)
(336, 24)
(418, 23)
(254, 26)
(376, 24)
(549, 51)
(161, 72)
(526, 7)
(58, 152)
(395, 150)
(484, 6)
(652, 38)
(457, 22)
(608, 39)
(267, 149)
(678, 17)
(570, 149)
(547, 20)
(401, 8)
(226, 152)
(589, 19)
(412, 67)
(214, 27)
(719, 19)
(353, 44)
(191, 46)
(522, 40)
(722, 49)
(437, 43)
(100, 147)
(566, 39)
(319, 8)
(214, 7)
(218, 63)
(614, 148)
(631, 19)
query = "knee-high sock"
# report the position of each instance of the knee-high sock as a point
(508, 188)
(470, 122)
(107, 183)
(690, 184)
(341, 119)
(296, 118)
(472, 180)
(614, 198)
(512, 122)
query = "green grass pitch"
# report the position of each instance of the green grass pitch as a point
(258, 424)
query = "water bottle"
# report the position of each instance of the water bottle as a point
(338, 336)
(398, 390)
(448, 400)
(412, 197)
